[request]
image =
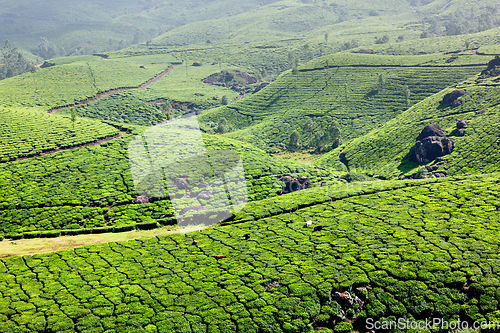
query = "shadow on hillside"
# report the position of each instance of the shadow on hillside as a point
(406, 164)
(372, 93)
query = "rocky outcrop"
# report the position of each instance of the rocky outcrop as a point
(432, 144)
(181, 183)
(493, 68)
(431, 130)
(291, 184)
(451, 99)
(141, 199)
(430, 148)
(233, 79)
(261, 86)
(461, 125)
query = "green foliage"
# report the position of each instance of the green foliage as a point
(269, 117)
(92, 188)
(68, 84)
(379, 242)
(26, 132)
(351, 177)
(12, 62)
(475, 152)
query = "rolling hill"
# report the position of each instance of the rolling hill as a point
(404, 249)
(344, 89)
(87, 147)
(475, 151)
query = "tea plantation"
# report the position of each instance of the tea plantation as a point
(412, 251)
(139, 139)
(68, 84)
(475, 152)
(92, 187)
(28, 132)
(343, 88)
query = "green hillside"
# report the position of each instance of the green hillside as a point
(344, 88)
(407, 251)
(49, 30)
(69, 83)
(25, 132)
(475, 152)
(166, 110)
(92, 187)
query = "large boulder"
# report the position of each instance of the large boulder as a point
(462, 123)
(430, 148)
(141, 199)
(450, 98)
(431, 130)
(181, 183)
(291, 184)
(493, 63)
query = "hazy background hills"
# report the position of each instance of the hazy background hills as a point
(49, 29)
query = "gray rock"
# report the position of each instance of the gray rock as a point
(431, 130)
(462, 123)
(430, 148)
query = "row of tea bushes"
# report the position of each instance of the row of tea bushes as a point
(412, 252)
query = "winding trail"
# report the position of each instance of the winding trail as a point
(93, 99)
(55, 150)
(115, 91)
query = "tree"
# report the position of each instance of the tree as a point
(295, 70)
(385, 39)
(320, 140)
(73, 117)
(13, 62)
(294, 140)
(334, 135)
(221, 129)
(309, 126)
(381, 81)
(326, 37)
(33, 71)
(407, 95)
(225, 100)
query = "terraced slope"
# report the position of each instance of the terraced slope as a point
(172, 94)
(92, 187)
(68, 84)
(27, 132)
(343, 88)
(475, 152)
(97, 27)
(402, 249)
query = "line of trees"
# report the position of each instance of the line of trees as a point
(12, 62)
(460, 23)
(314, 136)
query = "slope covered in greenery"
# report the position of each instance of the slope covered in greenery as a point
(69, 83)
(475, 152)
(92, 187)
(345, 89)
(404, 251)
(49, 30)
(24, 132)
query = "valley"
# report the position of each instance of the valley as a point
(260, 166)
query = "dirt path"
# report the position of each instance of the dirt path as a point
(96, 143)
(115, 91)
(21, 247)
(240, 96)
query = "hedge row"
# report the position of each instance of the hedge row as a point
(416, 252)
